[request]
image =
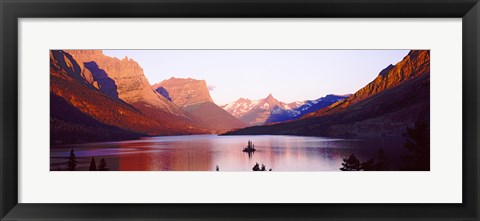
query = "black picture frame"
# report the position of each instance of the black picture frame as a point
(12, 10)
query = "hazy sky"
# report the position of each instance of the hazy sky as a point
(290, 75)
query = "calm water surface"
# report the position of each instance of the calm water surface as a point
(205, 152)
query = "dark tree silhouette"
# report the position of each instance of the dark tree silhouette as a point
(381, 165)
(351, 163)
(418, 146)
(72, 161)
(368, 165)
(102, 166)
(93, 165)
(257, 167)
(217, 168)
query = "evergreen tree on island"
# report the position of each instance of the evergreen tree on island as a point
(257, 167)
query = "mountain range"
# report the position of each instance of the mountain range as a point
(397, 98)
(256, 112)
(193, 97)
(281, 115)
(94, 97)
(269, 110)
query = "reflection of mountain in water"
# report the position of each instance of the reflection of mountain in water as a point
(204, 152)
(96, 97)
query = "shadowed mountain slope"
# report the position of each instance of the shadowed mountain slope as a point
(281, 115)
(95, 99)
(399, 96)
(193, 97)
(124, 76)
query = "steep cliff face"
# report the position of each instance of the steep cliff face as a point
(84, 110)
(62, 62)
(397, 98)
(193, 97)
(185, 91)
(122, 78)
(162, 91)
(416, 63)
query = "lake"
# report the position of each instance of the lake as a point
(206, 152)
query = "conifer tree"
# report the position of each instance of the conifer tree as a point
(256, 167)
(102, 166)
(381, 165)
(263, 168)
(93, 166)
(418, 145)
(351, 163)
(72, 161)
(368, 165)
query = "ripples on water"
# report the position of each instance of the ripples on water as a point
(205, 152)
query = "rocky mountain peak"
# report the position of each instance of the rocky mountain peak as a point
(386, 70)
(256, 112)
(185, 91)
(414, 64)
(85, 52)
(123, 78)
(397, 98)
(243, 99)
(193, 97)
(272, 102)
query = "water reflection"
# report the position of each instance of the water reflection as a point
(205, 152)
(250, 154)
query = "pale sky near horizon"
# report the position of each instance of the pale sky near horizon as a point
(289, 75)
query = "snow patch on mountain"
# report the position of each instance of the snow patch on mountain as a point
(302, 108)
(270, 110)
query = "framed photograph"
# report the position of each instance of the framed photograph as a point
(239, 110)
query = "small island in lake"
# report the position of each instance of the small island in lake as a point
(193, 110)
(249, 148)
